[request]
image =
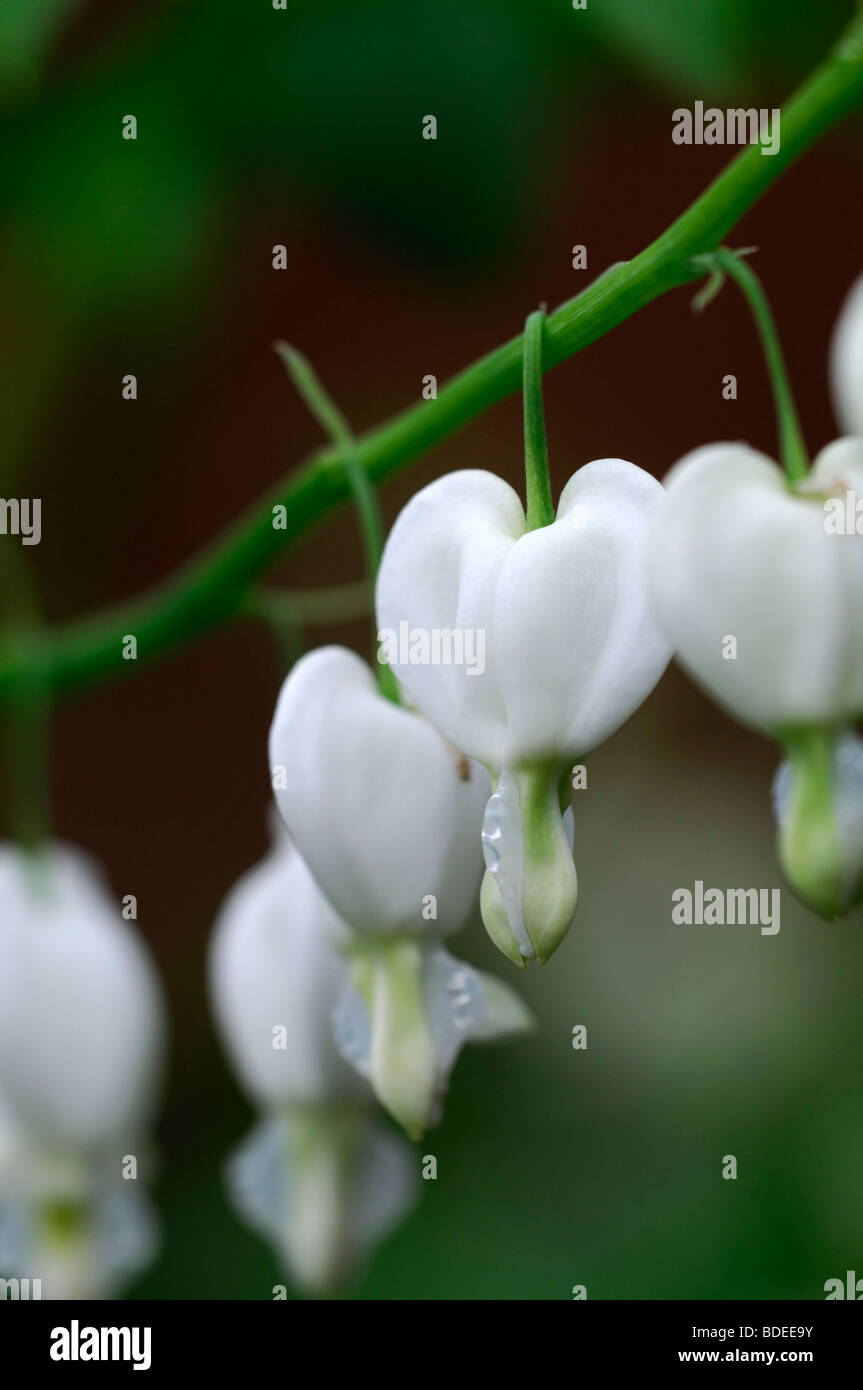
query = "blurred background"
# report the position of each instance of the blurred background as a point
(408, 257)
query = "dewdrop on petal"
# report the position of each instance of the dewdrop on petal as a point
(81, 1041)
(319, 1177)
(387, 816)
(571, 652)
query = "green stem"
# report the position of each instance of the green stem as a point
(287, 612)
(337, 603)
(213, 588)
(334, 423)
(540, 506)
(792, 448)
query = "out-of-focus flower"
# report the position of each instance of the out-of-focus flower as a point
(81, 1038)
(319, 1177)
(386, 816)
(846, 362)
(570, 652)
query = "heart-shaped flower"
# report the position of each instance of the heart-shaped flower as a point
(759, 585)
(569, 649)
(81, 1036)
(81, 1020)
(387, 815)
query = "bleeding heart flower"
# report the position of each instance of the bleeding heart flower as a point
(81, 1038)
(386, 816)
(570, 652)
(319, 1177)
(759, 585)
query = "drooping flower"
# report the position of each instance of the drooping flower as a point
(319, 1177)
(571, 651)
(759, 585)
(386, 816)
(846, 362)
(81, 1039)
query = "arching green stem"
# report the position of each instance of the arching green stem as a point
(792, 448)
(331, 419)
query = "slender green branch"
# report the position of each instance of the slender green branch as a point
(336, 603)
(540, 504)
(287, 612)
(213, 587)
(791, 444)
(335, 424)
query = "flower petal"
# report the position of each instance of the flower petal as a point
(385, 814)
(439, 572)
(734, 554)
(272, 965)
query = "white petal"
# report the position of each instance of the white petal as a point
(272, 966)
(571, 649)
(439, 572)
(575, 644)
(846, 362)
(81, 1021)
(505, 1014)
(324, 1190)
(734, 553)
(376, 802)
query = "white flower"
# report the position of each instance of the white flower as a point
(319, 1177)
(81, 1035)
(570, 652)
(387, 816)
(846, 362)
(758, 593)
(759, 586)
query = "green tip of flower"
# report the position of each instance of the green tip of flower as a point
(404, 1066)
(819, 857)
(530, 890)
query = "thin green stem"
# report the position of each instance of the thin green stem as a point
(213, 588)
(287, 612)
(334, 423)
(336, 603)
(540, 506)
(792, 448)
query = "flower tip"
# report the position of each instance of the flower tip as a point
(820, 827)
